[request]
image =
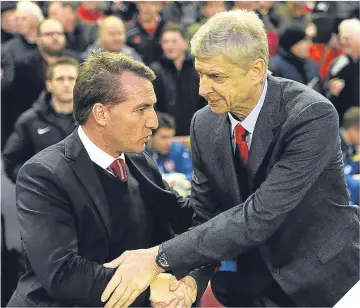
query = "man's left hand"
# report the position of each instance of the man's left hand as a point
(136, 270)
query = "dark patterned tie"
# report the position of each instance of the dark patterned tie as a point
(119, 169)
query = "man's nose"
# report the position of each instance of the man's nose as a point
(204, 87)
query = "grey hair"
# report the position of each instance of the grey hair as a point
(238, 35)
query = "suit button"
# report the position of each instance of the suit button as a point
(276, 272)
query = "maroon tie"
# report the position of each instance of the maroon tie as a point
(240, 134)
(119, 169)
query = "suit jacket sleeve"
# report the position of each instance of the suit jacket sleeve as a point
(310, 144)
(49, 236)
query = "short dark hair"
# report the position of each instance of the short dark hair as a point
(165, 120)
(60, 61)
(351, 118)
(97, 78)
(174, 27)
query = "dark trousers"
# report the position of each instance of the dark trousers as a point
(235, 290)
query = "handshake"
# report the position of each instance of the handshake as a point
(167, 291)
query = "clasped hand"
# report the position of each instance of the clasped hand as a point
(136, 270)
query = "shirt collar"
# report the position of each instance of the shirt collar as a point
(97, 155)
(249, 122)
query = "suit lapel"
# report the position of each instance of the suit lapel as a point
(86, 173)
(224, 157)
(265, 128)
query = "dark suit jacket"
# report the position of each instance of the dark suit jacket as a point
(298, 213)
(65, 223)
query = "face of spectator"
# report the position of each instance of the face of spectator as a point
(226, 86)
(25, 22)
(112, 35)
(298, 9)
(90, 5)
(8, 21)
(301, 48)
(173, 45)
(247, 5)
(354, 135)
(62, 83)
(51, 38)
(148, 10)
(162, 140)
(212, 7)
(350, 42)
(129, 124)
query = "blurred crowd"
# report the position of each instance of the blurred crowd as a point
(316, 43)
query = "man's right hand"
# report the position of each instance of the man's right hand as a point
(167, 291)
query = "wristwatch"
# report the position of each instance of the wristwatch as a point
(162, 260)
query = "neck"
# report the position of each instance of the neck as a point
(49, 59)
(242, 112)
(346, 136)
(62, 107)
(31, 36)
(179, 62)
(96, 135)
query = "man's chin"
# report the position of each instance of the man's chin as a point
(217, 109)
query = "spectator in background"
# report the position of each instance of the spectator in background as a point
(145, 36)
(89, 12)
(350, 141)
(79, 35)
(112, 37)
(47, 122)
(342, 84)
(292, 60)
(171, 156)
(28, 16)
(207, 10)
(293, 12)
(177, 82)
(8, 22)
(31, 68)
(185, 13)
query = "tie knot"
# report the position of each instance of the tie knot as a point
(119, 169)
(239, 132)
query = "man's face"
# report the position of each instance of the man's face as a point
(8, 21)
(354, 133)
(225, 86)
(213, 7)
(302, 48)
(173, 45)
(62, 83)
(350, 42)
(25, 22)
(149, 9)
(112, 37)
(162, 140)
(51, 38)
(130, 123)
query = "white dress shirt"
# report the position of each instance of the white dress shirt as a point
(249, 122)
(97, 155)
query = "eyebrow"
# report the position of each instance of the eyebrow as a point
(211, 72)
(141, 105)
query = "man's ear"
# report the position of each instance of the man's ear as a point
(100, 113)
(48, 85)
(258, 71)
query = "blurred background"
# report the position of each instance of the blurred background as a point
(313, 42)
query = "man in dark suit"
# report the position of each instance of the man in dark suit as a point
(90, 197)
(268, 188)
